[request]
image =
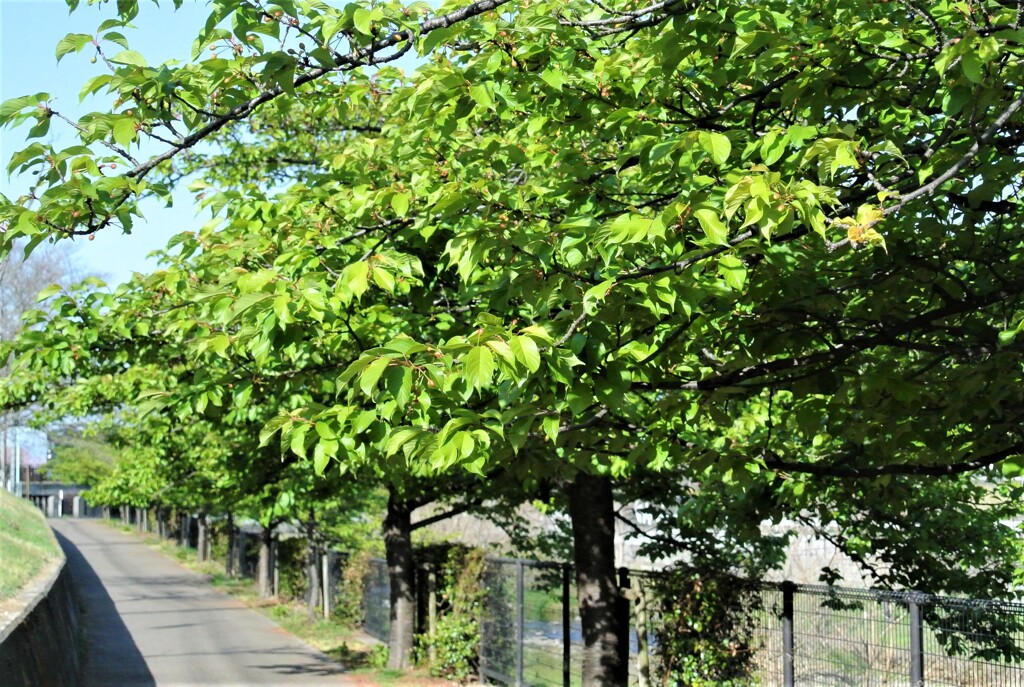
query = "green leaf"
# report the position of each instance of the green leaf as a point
(362, 18)
(538, 332)
(384, 279)
(369, 377)
(553, 77)
(596, 294)
(717, 146)
(116, 37)
(481, 94)
(733, 270)
(550, 425)
(400, 204)
(463, 444)
(633, 228)
(94, 84)
(712, 226)
(526, 351)
(503, 351)
(10, 108)
(973, 67)
(129, 57)
(219, 345)
(273, 427)
(298, 439)
(479, 364)
(51, 290)
(400, 438)
(124, 131)
(322, 454)
(73, 42)
(355, 277)
(324, 430)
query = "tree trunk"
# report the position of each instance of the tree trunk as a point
(312, 570)
(401, 574)
(605, 640)
(229, 564)
(203, 537)
(265, 572)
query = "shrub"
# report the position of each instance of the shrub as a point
(454, 646)
(706, 634)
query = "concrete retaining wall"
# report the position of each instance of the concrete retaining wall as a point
(39, 645)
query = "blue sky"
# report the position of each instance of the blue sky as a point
(29, 32)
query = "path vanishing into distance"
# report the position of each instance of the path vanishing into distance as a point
(149, 621)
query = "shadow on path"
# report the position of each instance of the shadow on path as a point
(111, 656)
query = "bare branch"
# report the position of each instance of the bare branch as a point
(845, 470)
(971, 153)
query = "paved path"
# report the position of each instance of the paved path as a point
(148, 621)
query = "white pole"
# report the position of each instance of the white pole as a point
(326, 580)
(16, 478)
(3, 460)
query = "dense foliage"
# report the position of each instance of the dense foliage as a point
(769, 249)
(706, 629)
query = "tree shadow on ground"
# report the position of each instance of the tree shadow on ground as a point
(111, 656)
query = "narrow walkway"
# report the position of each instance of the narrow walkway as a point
(148, 621)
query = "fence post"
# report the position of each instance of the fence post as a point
(643, 658)
(788, 675)
(432, 612)
(325, 580)
(624, 618)
(276, 574)
(520, 620)
(483, 624)
(916, 640)
(566, 626)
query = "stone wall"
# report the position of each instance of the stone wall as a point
(39, 645)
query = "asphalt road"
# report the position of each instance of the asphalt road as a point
(148, 621)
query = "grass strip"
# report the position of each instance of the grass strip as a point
(26, 543)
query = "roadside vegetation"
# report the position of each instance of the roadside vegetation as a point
(750, 268)
(26, 544)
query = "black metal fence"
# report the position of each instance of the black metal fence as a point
(530, 634)
(805, 635)
(827, 636)
(377, 600)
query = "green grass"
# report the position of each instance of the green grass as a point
(26, 544)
